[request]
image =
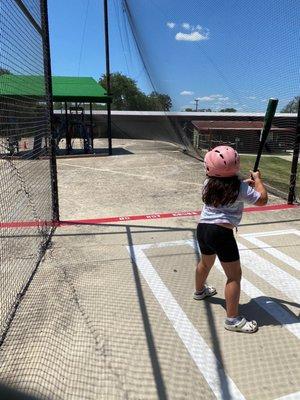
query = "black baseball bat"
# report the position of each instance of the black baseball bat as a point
(271, 109)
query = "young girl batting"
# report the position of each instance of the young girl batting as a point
(223, 196)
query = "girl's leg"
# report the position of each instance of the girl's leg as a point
(202, 270)
(233, 287)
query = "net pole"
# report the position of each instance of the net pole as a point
(68, 137)
(48, 81)
(293, 177)
(92, 129)
(106, 34)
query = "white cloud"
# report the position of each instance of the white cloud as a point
(171, 25)
(206, 98)
(251, 97)
(194, 36)
(186, 25)
(195, 33)
(214, 97)
(186, 93)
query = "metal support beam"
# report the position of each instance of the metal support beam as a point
(48, 76)
(106, 34)
(293, 177)
(68, 138)
(92, 129)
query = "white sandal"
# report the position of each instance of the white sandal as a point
(207, 292)
(242, 326)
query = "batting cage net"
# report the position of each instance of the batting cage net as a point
(26, 209)
(223, 90)
(108, 311)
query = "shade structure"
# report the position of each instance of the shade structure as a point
(78, 89)
(65, 88)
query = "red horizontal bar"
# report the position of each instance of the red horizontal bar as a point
(272, 207)
(27, 224)
(98, 221)
(131, 218)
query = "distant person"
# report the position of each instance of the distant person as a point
(223, 196)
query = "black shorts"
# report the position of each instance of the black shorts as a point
(216, 239)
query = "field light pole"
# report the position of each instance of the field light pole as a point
(196, 101)
(107, 77)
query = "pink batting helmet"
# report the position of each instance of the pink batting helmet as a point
(222, 161)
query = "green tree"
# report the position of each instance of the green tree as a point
(127, 96)
(228, 110)
(292, 106)
(123, 89)
(4, 71)
(189, 109)
(160, 102)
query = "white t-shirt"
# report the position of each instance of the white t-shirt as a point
(232, 213)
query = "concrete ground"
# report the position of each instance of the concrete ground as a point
(110, 314)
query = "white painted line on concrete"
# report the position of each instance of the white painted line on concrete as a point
(220, 383)
(141, 176)
(273, 252)
(187, 332)
(291, 396)
(166, 244)
(273, 233)
(272, 274)
(279, 313)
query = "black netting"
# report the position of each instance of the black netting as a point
(218, 90)
(25, 174)
(107, 312)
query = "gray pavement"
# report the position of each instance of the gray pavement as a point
(110, 314)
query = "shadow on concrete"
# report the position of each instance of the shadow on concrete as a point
(117, 151)
(251, 310)
(160, 386)
(8, 393)
(159, 381)
(248, 310)
(214, 338)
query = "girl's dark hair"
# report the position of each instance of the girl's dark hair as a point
(221, 191)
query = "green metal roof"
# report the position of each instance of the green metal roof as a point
(22, 85)
(65, 88)
(79, 89)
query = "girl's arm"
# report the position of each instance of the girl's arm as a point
(260, 188)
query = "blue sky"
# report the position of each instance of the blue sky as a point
(232, 53)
